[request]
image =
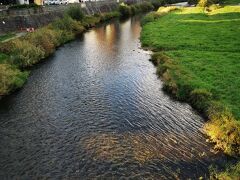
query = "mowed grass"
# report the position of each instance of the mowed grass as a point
(205, 47)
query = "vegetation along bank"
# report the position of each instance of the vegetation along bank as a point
(18, 54)
(197, 54)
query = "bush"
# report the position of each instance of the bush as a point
(25, 54)
(223, 129)
(146, 6)
(75, 13)
(108, 16)
(157, 3)
(44, 38)
(11, 78)
(125, 10)
(200, 99)
(69, 25)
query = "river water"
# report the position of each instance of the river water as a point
(96, 110)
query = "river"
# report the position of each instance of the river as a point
(96, 109)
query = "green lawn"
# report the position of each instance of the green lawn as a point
(206, 48)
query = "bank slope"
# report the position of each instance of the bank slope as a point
(198, 57)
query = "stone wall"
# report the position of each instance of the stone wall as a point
(15, 20)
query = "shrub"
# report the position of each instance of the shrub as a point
(157, 3)
(75, 13)
(146, 6)
(25, 54)
(68, 24)
(125, 10)
(108, 16)
(200, 99)
(44, 38)
(11, 78)
(223, 129)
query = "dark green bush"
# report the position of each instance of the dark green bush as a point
(200, 99)
(157, 3)
(146, 6)
(125, 10)
(75, 13)
(69, 25)
(108, 16)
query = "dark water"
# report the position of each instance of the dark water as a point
(96, 110)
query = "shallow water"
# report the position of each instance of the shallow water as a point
(96, 110)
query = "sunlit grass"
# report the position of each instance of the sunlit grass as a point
(205, 46)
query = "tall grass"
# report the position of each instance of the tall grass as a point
(11, 78)
(128, 10)
(76, 13)
(26, 51)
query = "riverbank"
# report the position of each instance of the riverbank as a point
(18, 54)
(197, 57)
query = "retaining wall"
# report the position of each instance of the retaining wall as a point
(14, 20)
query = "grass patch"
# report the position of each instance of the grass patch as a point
(128, 10)
(199, 62)
(6, 36)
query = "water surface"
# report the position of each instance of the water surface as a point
(96, 110)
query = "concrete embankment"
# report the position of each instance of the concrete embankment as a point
(17, 19)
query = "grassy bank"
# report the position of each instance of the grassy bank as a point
(198, 57)
(18, 54)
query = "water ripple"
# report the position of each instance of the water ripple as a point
(95, 110)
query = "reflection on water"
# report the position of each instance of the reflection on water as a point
(96, 110)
